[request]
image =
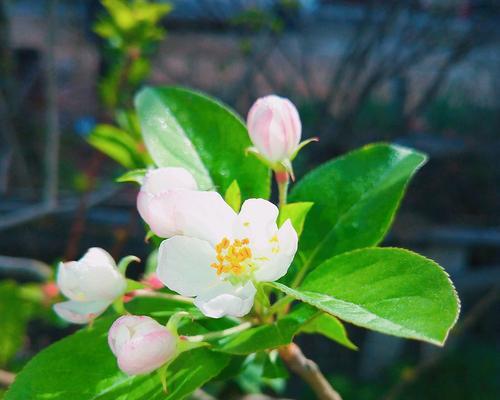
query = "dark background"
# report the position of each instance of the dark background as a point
(424, 74)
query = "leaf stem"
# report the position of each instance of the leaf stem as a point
(282, 179)
(218, 334)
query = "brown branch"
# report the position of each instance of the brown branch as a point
(309, 371)
(6, 377)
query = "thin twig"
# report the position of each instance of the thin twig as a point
(309, 371)
(6, 377)
(51, 159)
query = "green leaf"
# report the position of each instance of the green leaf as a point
(329, 326)
(297, 213)
(273, 366)
(117, 144)
(15, 311)
(136, 176)
(82, 367)
(268, 336)
(393, 291)
(191, 130)
(233, 196)
(355, 199)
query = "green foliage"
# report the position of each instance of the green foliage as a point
(297, 213)
(16, 309)
(135, 176)
(233, 196)
(119, 145)
(188, 129)
(267, 336)
(355, 199)
(393, 291)
(97, 377)
(330, 327)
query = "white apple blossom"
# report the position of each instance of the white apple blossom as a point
(155, 199)
(141, 344)
(221, 255)
(91, 284)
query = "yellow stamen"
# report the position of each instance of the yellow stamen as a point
(233, 258)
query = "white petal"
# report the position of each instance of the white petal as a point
(226, 299)
(80, 312)
(82, 281)
(203, 215)
(184, 265)
(158, 212)
(257, 221)
(98, 256)
(279, 262)
(159, 180)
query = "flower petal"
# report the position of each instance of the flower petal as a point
(257, 221)
(146, 352)
(158, 212)
(80, 312)
(203, 215)
(98, 256)
(226, 299)
(279, 261)
(184, 265)
(159, 180)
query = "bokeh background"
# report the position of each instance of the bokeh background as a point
(424, 74)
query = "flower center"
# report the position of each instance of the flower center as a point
(233, 257)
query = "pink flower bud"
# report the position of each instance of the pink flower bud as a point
(274, 127)
(140, 344)
(155, 201)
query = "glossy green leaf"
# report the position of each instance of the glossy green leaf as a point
(267, 336)
(118, 145)
(393, 291)
(273, 366)
(82, 367)
(191, 130)
(233, 196)
(330, 327)
(297, 213)
(355, 199)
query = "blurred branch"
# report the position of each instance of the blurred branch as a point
(309, 371)
(6, 378)
(37, 211)
(24, 269)
(51, 159)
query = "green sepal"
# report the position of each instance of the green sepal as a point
(124, 263)
(233, 196)
(302, 145)
(135, 176)
(133, 285)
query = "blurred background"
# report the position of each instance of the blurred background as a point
(424, 74)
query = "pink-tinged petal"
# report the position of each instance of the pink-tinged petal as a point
(146, 353)
(226, 299)
(79, 312)
(274, 127)
(98, 256)
(184, 265)
(160, 180)
(141, 344)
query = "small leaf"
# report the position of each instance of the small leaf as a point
(133, 285)
(393, 291)
(125, 262)
(233, 196)
(297, 213)
(117, 144)
(136, 176)
(273, 366)
(329, 326)
(268, 336)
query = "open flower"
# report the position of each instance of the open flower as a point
(275, 128)
(141, 344)
(91, 283)
(155, 201)
(221, 254)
